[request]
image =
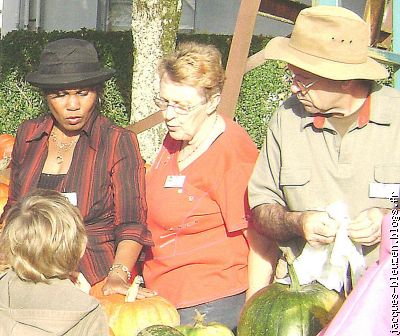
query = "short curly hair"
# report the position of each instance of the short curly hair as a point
(43, 237)
(195, 64)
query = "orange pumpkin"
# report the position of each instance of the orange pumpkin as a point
(5, 176)
(3, 202)
(3, 190)
(129, 318)
(6, 145)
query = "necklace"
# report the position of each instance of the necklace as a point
(201, 142)
(62, 147)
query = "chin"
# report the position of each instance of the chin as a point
(72, 128)
(179, 136)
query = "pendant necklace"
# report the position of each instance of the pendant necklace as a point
(198, 146)
(62, 147)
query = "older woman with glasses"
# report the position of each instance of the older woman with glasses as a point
(197, 192)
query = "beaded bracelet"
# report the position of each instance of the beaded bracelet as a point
(122, 267)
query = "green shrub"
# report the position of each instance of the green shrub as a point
(261, 92)
(18, 101)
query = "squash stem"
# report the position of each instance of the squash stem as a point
(133, 289)
(295, 284)
(199, 319)
(289, 256)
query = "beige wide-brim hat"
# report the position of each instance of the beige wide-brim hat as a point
(331, 42)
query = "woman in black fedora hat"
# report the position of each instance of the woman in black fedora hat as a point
(96, 164)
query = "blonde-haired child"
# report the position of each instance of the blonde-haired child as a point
(42, 241)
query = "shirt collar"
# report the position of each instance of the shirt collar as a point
(46, 125)
(362, 119)
(370, 112)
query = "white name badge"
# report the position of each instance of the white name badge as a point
(383, 190)
(71, 197)
(174, 181)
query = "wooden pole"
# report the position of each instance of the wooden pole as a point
(238, 54)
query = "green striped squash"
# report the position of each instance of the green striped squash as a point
(159, 330)
(283, 310)
(200, 328)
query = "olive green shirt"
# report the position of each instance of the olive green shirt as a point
(305, 168)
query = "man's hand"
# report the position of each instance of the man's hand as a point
(366, 228)
(318, 228)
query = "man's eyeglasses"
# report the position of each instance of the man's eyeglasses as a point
(163, 104)
(303, 87)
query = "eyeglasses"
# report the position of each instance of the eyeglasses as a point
(163, 104)
(303, 87)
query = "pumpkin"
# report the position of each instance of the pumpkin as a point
(160, 330)
(289, 310)
(129, 318)
(5, 176)
(3, 202)
(6, 145)
(200, 328)
(3, 190)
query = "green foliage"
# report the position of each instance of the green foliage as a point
(18, 101)
(20, 54)
(261, 92)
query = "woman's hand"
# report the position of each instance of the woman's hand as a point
(144, 293)
(115, 284)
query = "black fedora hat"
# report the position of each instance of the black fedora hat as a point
(69, 63)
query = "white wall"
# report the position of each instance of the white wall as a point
(210, 16)
(1, 15)
(10, 16)
(69, 14)
(219, 17)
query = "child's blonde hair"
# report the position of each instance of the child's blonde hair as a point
(43, 237)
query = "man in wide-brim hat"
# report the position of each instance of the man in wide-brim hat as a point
(334, 140)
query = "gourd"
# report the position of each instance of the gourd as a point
(6, 147)
(127, 317)
(3, 190)
(4, 187)
(3, 202)
(160, 330)
(200, 328)
(289, 310)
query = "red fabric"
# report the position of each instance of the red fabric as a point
(362, 119)
(106, 172)
(200, 253)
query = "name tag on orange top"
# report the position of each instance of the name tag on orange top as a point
(174, 181)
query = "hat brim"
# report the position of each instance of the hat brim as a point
(63, 81)
(279, 49)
